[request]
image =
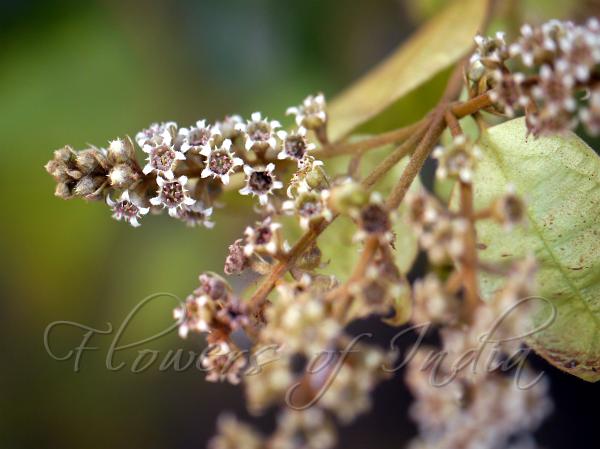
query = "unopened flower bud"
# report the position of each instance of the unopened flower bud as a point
(122, 176)
(88, 186)
(316, 178)
(348, 197)
(87, 160)
(121, 150)
(63, 190)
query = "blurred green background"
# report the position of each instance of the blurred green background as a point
(88, 71)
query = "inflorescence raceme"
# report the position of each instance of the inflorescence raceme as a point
(299, 312)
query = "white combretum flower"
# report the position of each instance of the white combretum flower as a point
(127, 209)
(260, 133)
(155, 134)
(196, 215)
(309, 206)
(230, 127)
(197, 137)
(162, 159)
(311, 114)
(374, 219)
(263, 236)
(172, 194)
(260, 182)
(220, 163)
(458, 159)
(294, 146)
(193, 315)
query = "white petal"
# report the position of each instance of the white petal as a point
(179, 156)
(263, 199)
(188, 201)
(248, 249)
(147, 169)
(237, 161)
(272, 247)
(226, 144)
(272, 142)
(156, 201)
(248, 170)
(208, 212)
(208, 224)
(183, 331)
(205, 173)
(225, 178)
(160, 181)
(144, 210)
(134, 222)
(245, 191)
(147, 149)
(201, 124)
(125, 196)
(291, 110)
(184, 148)
(256, 116)
(281, 134)
(110, 201)
(205, 151)
(182, 180)
(275, 124)
(277, 185)
(270, 167)
(249, 144)
(169, 174)
(282, 155)
(173, 212)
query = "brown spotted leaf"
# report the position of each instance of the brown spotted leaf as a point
(559, 179)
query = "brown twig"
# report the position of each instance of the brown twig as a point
(395, 136)
(469, 259)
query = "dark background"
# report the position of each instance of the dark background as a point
(88, 71)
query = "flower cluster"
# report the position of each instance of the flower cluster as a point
(187, 168)
(298, 352)
(560, 61)
(475, 401)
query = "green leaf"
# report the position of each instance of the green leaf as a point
(558, 178)
(434, 48)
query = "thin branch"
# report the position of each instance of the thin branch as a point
(395, 136)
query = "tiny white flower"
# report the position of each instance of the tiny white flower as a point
(263, 237)
(172, 194)
(295, 145)
(311, 114)
(260, 182)
(260, 133)
(156, 134)
(196, 215)
(162, 159)
(197, 137)
(125, 208)
(220, 162)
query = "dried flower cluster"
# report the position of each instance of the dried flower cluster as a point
(301, 356)
(559, 85)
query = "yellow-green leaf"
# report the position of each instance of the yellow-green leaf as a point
(559, 180)
(435, 47)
